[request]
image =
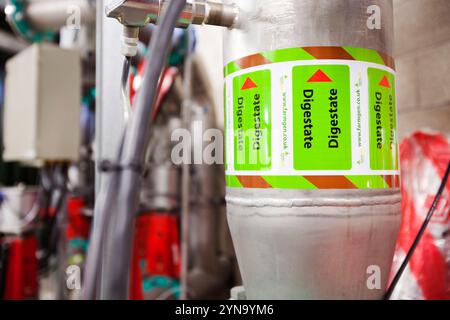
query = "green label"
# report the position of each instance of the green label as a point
(332, 125)
(382, 120)
(225, 131)
(322, 133)
(252, 118)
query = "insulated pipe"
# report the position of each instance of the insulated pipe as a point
(203, 211)
(55, 14)
(310, 83)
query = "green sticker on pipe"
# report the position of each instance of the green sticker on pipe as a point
(252, 121)
(312, 118)
(322, 137)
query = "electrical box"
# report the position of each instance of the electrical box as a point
(42, 105)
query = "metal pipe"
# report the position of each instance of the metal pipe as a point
(110, 110)
(139, 13)
(136, 142)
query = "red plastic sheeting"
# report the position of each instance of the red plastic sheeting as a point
(424, 158)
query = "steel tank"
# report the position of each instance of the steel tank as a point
(321, 243)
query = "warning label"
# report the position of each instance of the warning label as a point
(322, 137)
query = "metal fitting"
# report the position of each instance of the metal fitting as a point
(130, 40)
(222, 15)
(139, 13)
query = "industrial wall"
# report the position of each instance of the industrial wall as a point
(422, 50)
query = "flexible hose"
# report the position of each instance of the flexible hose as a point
(125, 90)
(102, 218)
(119, 258)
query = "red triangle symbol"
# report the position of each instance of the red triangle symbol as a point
(320, 76)
(249, 84)
(385, 82)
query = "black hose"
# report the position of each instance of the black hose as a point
(118, 260)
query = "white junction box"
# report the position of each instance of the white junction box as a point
(42, 105)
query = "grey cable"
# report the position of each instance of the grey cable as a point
(104, 202)
(137, 136)
(127, 111)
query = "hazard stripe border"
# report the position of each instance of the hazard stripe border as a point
(314, 182)
(310, 53)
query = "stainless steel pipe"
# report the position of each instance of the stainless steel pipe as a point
(308, 243)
